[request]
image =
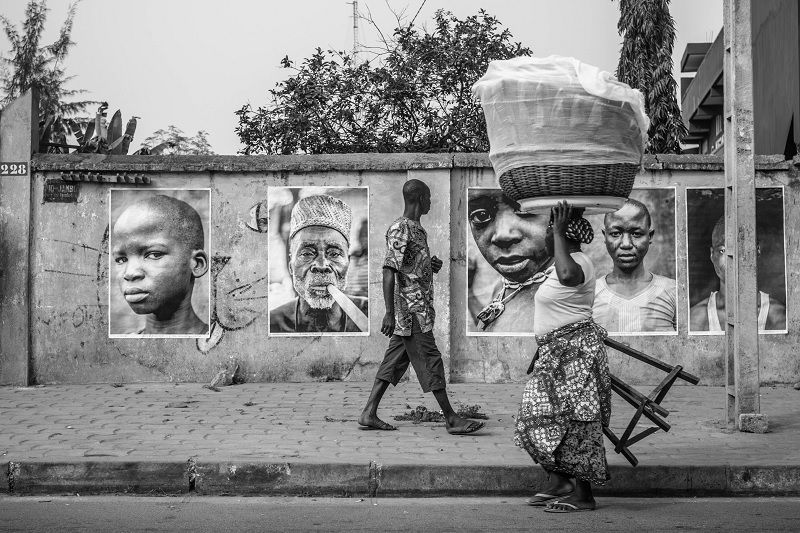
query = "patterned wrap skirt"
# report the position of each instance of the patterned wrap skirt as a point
(566, 403)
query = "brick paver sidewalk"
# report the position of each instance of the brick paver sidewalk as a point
(315, 423)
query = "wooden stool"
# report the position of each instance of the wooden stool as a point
(647, 406)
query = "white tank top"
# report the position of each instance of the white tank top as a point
(713, 317)
(557, 305)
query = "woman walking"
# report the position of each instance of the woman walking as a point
(566, 402)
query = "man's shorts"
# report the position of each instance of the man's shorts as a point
(420, 350)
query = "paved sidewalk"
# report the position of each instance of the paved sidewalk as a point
(302, 438)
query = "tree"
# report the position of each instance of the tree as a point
(645, 63)
(32, 65)
(173, 141)
(414, 95)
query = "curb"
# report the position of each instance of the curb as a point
(247, 478)
(155, 478)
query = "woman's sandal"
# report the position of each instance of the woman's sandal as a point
(564, 507)
(542, 499)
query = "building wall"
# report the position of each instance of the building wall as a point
(69, 274)
(776, 73)
(776, 78)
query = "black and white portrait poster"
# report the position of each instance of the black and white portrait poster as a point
(159, 255)
(633, 250)
(706, 258)
(634, 255)
(318, 260)
(505, 249)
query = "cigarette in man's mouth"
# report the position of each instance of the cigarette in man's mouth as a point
(350, 309)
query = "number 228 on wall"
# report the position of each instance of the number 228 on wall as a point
(14, 169)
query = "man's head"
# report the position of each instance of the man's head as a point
(513, 243)
(718, 248)
(157, 245)
(628, 235)
(318, 248)
(416, 193)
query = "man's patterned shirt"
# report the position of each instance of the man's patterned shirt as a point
(408, 255)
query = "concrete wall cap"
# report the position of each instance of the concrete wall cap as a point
(344, 162)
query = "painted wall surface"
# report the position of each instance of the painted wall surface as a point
(70, 287)
(69, 271)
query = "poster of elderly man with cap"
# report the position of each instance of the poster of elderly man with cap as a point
(313, 233)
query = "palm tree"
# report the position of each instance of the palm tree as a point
(645, 63)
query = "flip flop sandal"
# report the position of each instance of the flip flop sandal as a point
(564, 507)
(471, 428)
(385, 427)
(542, 499)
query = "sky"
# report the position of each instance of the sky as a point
(193, 63)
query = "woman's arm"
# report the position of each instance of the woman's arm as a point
(570, 273)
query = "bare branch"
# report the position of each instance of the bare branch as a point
(417, 13)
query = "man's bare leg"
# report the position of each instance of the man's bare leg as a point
(456, 425)
(369, 416)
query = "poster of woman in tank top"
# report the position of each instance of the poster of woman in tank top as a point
(707, 255)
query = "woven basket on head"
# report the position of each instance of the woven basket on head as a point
(537, 181)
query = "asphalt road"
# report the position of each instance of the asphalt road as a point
(124, 513)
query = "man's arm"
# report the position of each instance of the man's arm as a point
(397, 239)
(387, 326)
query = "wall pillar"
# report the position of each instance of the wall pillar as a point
(19, 133)
(742, 355)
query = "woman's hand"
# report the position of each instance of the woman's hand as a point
(561, 213)
(436, 264)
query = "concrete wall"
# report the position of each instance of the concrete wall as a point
(70, 279)
(69, 273)
(18, 137)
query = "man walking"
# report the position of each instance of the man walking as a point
(408, 294)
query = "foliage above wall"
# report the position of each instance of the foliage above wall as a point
(97, 136)
(412, 95)
(173, 141)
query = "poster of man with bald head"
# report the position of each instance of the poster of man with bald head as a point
(159, 261)
(708, 254)
(635, 254)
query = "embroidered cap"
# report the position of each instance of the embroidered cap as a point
(322, 210)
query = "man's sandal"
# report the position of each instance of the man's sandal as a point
(472, 427)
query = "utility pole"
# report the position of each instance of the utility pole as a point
(742, 354)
